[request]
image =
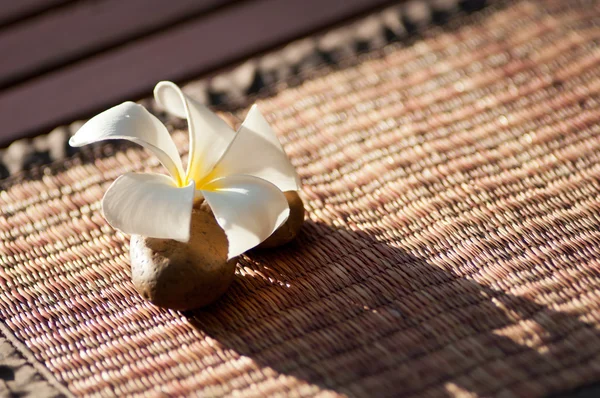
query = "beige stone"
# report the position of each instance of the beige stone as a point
(289, 230)
(284, 234)
(183, 276)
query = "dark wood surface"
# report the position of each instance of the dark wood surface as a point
(77, 58)
(48, 41)
(16, 10)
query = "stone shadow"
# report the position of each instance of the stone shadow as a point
(343, 311)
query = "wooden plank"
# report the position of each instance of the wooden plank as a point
(14, 10)
(183, 52)
(70, 33)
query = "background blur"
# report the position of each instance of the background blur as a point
(69, 59)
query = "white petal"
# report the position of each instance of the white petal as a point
(209, 134)
(130, 121)
(149, 205)
(247, 208)
(256, 151)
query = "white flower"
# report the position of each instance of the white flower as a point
(241, 175)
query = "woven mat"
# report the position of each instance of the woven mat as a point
(451, 247)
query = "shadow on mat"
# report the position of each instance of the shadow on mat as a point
(347, 313)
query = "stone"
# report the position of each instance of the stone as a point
(183, 276)
(284, 234)
(289, 230)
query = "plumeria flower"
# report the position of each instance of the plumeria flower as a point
(242, 176)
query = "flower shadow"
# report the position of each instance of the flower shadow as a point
(344, 312)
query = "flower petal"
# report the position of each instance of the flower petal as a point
(209, 134)
(256, 151)
(248, 209)
(130, 121)
(149, 205)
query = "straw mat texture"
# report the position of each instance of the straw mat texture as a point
(451, 248)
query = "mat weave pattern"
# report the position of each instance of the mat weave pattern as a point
(451, 248)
